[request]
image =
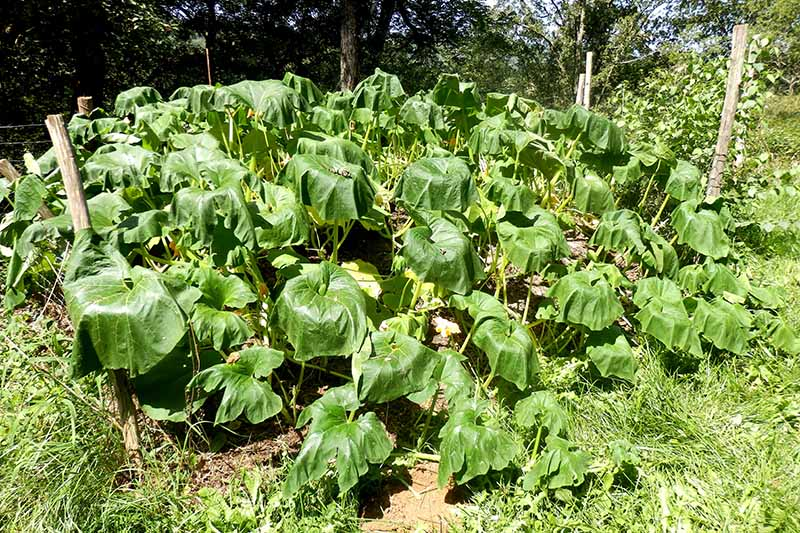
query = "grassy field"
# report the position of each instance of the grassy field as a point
(717, 441)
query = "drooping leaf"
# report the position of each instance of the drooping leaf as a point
(240, 378)
(127, 101)
(471, 448)
(619, 231)
(702, 230)
(285, 222)
(29, 195)
(541, 409)
(559, 466)
(684, 182)
(437, 183)
(511, 195)
(120, 165)
(224, 329)
(337, 190)
(726, 325)
(340, 150)
(585, 297)
(591, 193)
(123, 318)
(399, 365)
(322, 312)
(533, 240)
(479, 304)
(271, 100)
(663, 315)
(611, 353)
(353, 445)
(439, 253)
(660, 255)
(721, 280)
(202, 211)
(304, 87)
(509, 349)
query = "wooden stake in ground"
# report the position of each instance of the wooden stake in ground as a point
(579, 92)
(85, 105)
(65, 155)
(587, 82)
(11, 174)
(728, 110)
(208, 66)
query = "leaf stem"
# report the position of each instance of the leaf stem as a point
(528, 299)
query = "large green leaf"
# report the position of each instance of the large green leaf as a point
(333, 437)
(586, 298)
(509, 349)
(203, 210)
(659, 255)
(198, 165)
(726, 325)
(684, 182)
(285, 222)
(244, 391)
(558, 467)
(338, 191)
(541, 409)
(438, 183)
(323, 312)
(271, 100)
(123, 318)
(304, 87)
(702, 230)
(591, 193)
(611, 354)
(509, 194)
(533, 240)
(340, 150)
(452, 376)
(119, 166)
(719, 280)
(378, 92)
(127, 101)
(399, 365)
(479, 304)
(663, 315)
(439, 253)
(470, 448)
(29, 195)
(619, 231)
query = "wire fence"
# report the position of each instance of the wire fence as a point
(17, 139)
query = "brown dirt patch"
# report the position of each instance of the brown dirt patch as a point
(265, 448)
(410, 500)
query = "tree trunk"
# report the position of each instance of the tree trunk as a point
(89, 32)
(349, 57)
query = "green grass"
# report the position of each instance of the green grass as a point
(719, 441)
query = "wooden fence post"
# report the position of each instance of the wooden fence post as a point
(12, 174)
(579, 92)
(85, 105)
(65, 155)
(738, 50)
(208, 66)
(587, 87)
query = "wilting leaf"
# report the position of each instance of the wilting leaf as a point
(559, 466)
(437, 183)
(663, 315)
(471, 448)
(541, 409)
(439, 253)
(244, 391)
(611, 354)
(586, 298)
(509, 349)
(323, 312)
(399, 365)
(533, 240)
(702, 230)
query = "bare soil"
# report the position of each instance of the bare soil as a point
(410, 500)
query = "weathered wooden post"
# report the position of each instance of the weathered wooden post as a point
(85, 105)
(587, 87)
(579, 92)
(208, 66)
(738, 50)
(120, 384)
